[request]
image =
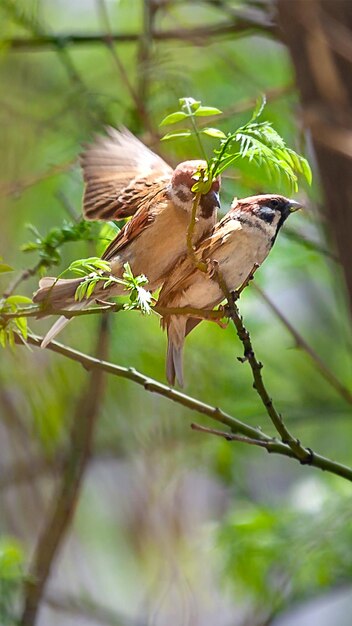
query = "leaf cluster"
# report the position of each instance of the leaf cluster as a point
(256, 141)
(18, 325)
(96, 271)
(263, 551)
(48, 246)
(190, 109)
(11, 578)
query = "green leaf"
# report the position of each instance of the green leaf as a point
(306, 170)
(11, 337)
(4, 267)
(19, 300)
(81, 291)
(91, 287)
(3, 337)
(89, 265)
(173, 118)
(21, 323)
(207, 111)
(177, 133)
(213, 132)
(189, 103)
(259, 108)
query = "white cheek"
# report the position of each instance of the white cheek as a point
(186, 205)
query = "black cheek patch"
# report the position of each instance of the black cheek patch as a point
(267, 214)
(182, 195)
(208, 204)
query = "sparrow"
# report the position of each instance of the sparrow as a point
(241, 240)
(124, 178)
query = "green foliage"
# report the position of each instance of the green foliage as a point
(4, 267)
(278, 555)
(257, 142)
(48, 246)
(97, 271)
(108, 231)
(51, 113)
(139, 297)
(11, 578)
(16, 325)
(83, 267)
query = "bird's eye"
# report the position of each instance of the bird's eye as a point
(274, 204)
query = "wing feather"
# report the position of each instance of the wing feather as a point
(118, 171)
(145, 216)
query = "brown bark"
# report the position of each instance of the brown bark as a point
(319, 36)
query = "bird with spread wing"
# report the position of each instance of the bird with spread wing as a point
(124, 178)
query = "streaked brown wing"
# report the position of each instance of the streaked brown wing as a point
(183, 274)
(179, 279)
(119, 170)
(144, 217)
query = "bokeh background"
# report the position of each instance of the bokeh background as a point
(167, 525)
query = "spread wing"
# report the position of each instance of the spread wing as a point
(118, 171)
(145, 216)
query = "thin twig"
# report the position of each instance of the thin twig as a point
(39, 31)
(299, 451)
(239, 28)
(153, 386)
(301, 343)
(232, 436)
(65, 502)
(88, 610)
(256, 366)
(190, 233)
(110, 43)
(18, 186)
(28, 471)
(114, 307)
(24, 275)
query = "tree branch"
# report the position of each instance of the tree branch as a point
(65, 502)
(238, 27)
(301, 453)
(153, 386)
(114, 307)
(256, 366)
(301, 343)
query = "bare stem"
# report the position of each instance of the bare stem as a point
(215, 413)
(190, 233)
(24, 275)
(299, 451)
(114, 307)
(301, 343)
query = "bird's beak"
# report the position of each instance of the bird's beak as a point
(293, 205)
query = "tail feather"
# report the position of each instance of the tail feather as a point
(57, 292)
(174, 364)
(176, 328)
(60, 323)
(55, 330)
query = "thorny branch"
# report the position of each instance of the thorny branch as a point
(215, 413)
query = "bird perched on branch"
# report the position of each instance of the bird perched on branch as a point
(242, 239)
(123, 177)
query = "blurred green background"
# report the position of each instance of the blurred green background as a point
(171, 526)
